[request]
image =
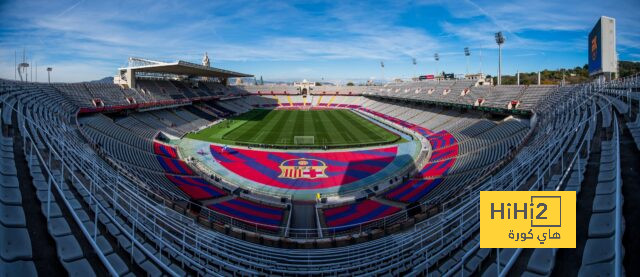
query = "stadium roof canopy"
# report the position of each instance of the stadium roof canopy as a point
(179, 68)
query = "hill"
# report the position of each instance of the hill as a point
(571, 75)
(108, 80)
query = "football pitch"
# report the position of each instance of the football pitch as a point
(335, 128)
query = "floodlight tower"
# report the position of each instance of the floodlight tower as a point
(467, 54)
(437, 58)
(499, 41)
(413, 60)
(22, 71)
(49, 74)
(22, 68)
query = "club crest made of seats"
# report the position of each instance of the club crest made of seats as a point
(303, 169)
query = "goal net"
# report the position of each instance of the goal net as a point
(303, 140)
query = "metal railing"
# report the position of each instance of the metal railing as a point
(618, 211)
(598, 89)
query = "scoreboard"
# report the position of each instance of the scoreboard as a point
(602, 47)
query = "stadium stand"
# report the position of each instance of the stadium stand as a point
(604, 226)
(196, 188)
(353, 215)
(110, 205)
(256, 214)
(413, 190)
(165, 150)
(263, 166)
(16, 256)
(634, 128)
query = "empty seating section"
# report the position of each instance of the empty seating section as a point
(213, 88)
(68, 248)
(174, 244)
(352, 215)
(154, 90)
(491, 145)
(164, 150)
(474, 145)
(533, 94)
(84, 94)
(15, 244)
(174, 166)
(122, 151)
(136, 126)
(443, 156)
(256, 214)
(77, 93)
(264, 167)
(111, 94)
(634, 129)
(268, 89)
(234, 106)
(147, 158)
(161, 91)
(605, 110)
(465, 92)
(196, 188)
(201, 113)
(168, 88)
(501, 96)
(620, 105)
(184, 88)
(600, 250)
(169, 121)
(105, 125)
(151, 90)
(66, 243)
(412, 190)
(154, 123)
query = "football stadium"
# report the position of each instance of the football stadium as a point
(180, 168)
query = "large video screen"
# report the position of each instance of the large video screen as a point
(595, 49)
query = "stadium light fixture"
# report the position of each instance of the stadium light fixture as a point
(467, 53)
(22, 71)
(49, 74)
(414, 62)
(437, 58)
(499, 40)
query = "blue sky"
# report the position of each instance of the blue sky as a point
(291, 40)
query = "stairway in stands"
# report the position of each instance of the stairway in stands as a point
(303, 217)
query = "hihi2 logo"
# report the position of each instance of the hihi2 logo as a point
(527, 219)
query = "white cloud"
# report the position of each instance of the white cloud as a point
(97, 37)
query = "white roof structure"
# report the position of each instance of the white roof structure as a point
(127, 75)
(179, 68)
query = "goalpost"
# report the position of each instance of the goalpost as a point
(303, 140)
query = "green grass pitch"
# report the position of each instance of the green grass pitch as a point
(278, 127)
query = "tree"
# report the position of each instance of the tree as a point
(318, 84)
(627, 68)
(350, 84)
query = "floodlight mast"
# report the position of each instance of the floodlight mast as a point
(437, 58)
(414, 62)
(49, 74)
(499, 40)
(22, 71)
(467, 54)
